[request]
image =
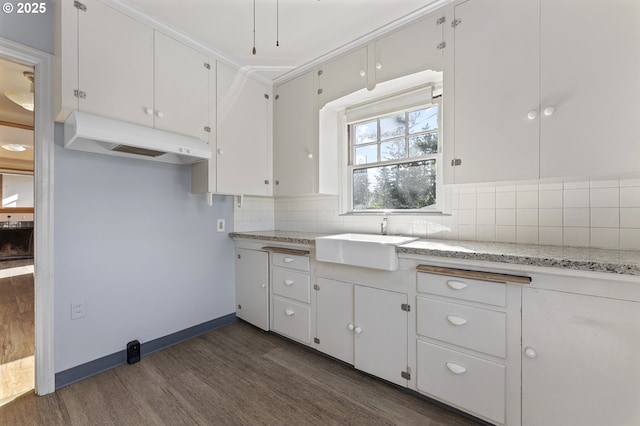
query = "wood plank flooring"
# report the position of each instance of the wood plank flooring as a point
(236, 375)
(16, 328)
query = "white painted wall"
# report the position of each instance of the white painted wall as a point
(139, 249)
(33, 30)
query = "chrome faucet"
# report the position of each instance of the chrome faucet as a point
(383, 226)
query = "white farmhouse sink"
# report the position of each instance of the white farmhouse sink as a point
(366, 250)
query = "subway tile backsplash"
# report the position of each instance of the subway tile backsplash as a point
(585, 213)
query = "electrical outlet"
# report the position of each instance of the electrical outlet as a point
(77, 309)
(220, 227)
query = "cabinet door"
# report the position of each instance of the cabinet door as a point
(115, 65)
(590, 65)
(296, 133)
(341, 76)
(409, 50)
(181, 88)
(334, 319)
(381, 333)
(243, 149)
(252, 287)
(580, 363)
(496, 68)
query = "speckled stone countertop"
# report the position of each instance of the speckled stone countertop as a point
(625, 262)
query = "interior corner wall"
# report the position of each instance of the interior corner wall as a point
(31, 29)
(138, 249)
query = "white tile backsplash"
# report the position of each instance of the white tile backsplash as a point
(596, 213)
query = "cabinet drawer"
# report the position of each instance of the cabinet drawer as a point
(291, 261)
(463, 288)
(292, 319)
(292, 284)
(478, 329)
(471, 383)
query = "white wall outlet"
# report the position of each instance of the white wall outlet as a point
(77, 309)
(220, 227)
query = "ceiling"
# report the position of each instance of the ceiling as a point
(305, 29)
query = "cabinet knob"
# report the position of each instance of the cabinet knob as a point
(358, 330)
(263, 285)
(549, 111)
(456, 368)
(532, 114)
(159, 114)
(457, 285)
(456, 320)
(309, 155)
(378, 65)
(148, 111)
(288, 282)
(529, 352)
(220, 151)
(350, 326)
(362, 73)
(289, 312)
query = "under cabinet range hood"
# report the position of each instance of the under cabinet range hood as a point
(92, 133)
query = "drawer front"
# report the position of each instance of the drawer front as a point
(292, 319)
(473, 384)
(463, 288)
(292, 284)
(291, 261)
(478, 329)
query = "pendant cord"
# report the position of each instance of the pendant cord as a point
(254, 27)
(277, 23)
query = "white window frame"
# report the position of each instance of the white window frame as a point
(424, 96)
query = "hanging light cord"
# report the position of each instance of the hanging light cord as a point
(254, 27)
(277, 23)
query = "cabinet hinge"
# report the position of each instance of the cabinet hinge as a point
(207, 65)
(79, 94)
(456, 162)
(266, 96)
(406, 374)
(266, 181)
(277, 182)
(456, 22)
(207, 129)
(277, 97)
(441, 20)
(80, 6)
(319, 91)
(406, 307)
(319, 72)
(316, 340)
(316, 287)
(442, 45)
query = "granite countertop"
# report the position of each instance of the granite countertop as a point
(625, 262)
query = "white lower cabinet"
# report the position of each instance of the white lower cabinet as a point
(252, 287)
(466, 329)
(291, 288)
(364, 326)
(580, 359)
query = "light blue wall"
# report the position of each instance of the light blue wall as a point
(130, 240)
(139, 249)
(33, 30)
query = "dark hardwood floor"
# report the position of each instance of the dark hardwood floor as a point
(236, 375)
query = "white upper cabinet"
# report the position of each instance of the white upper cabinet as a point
(341, 76)
(296, 137)
(243, 153)
(590, 77)
(115, 64)
(181, 88)
(491, 86)
(410, 49)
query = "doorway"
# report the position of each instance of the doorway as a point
(17, 292)
(41, 241)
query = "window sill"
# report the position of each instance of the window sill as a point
(396, 213)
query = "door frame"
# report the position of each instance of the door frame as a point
(43, 213)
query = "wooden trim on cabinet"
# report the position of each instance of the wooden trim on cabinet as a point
(283, 250)
(476, 275)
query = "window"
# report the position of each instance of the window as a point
(393, 160)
